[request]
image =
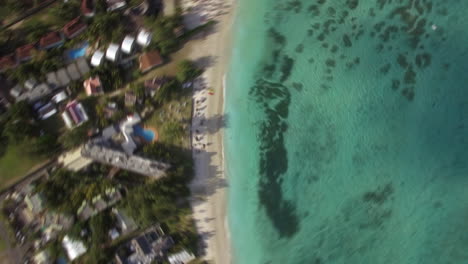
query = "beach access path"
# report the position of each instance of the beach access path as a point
(210, 50)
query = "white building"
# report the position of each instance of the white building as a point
(97, 58)
(127, 44)
(74, 248)
(181, 257)
(144, 38)
(113, 52)
(30, 84)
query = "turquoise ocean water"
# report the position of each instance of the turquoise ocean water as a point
(347, 138)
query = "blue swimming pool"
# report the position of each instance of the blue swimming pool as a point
(74, 54)
(147, 135)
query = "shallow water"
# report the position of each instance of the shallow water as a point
(351, 142)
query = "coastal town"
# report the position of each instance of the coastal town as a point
(109, 118)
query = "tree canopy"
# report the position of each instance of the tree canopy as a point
(187, 71)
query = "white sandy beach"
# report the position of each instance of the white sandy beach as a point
(209, 186)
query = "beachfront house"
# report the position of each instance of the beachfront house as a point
(97, 58)
(8, 62)
(150, 60)
(51, 40)
(144, 38)
(113, 52)
(39, 92)
(25, 53)
(74, 28)
(128, 44)
(93, 86)
(74, 114)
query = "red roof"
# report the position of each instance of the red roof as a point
(73, 27)
(50, 39)
(24, 52)
(7, 62)
(149, 60)
(87, 7)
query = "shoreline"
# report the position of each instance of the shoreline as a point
(209, 186)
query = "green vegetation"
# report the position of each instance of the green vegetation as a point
(187, 71)
(64, 191)
(64, 12)
(106, 27)
(164, 38)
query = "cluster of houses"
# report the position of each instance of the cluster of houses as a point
(51, 40)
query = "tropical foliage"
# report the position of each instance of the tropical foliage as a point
(187, 71)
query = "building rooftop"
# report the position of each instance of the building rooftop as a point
(113, 52)
(127, 44)
(8, 62)
(51, 40)
(144, 38)
(82, 65)
(87, 8)
(115, 4)
(73, 72)
(74, 28)
(25, 52)
(62, 77)
(74, 248)
(181, 257)
(93, 86)
(97, 58)
(40, 91)
(149, 60)
(60, 97)
(30, 83)
(52, 80)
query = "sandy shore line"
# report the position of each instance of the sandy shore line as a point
(209, 187)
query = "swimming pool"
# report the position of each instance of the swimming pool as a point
(74, 54)
(147, 135)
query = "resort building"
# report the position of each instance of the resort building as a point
(74, 28)
(123, 222)
(35, 203)
(128, 44)
(93, 86)
(113, 52)
(74, 114)
(97, 58)
(144, 38)
(51, 40)
(8, 62)
(149, 60)
(25, 53)
(113, 5)
(73, 248)
(87, 8)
